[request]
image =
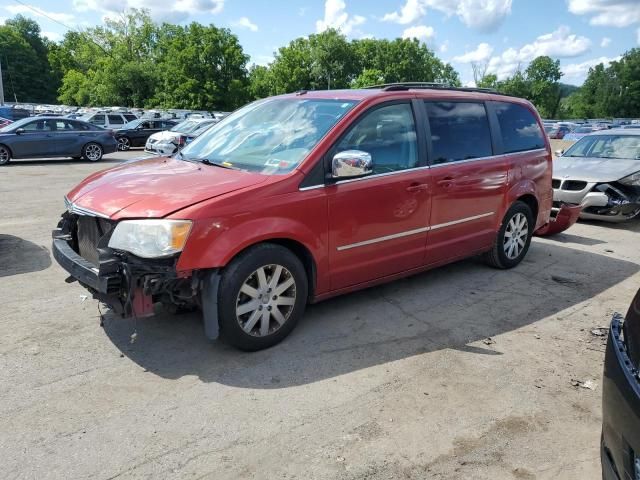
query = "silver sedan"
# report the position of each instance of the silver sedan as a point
(600, 172)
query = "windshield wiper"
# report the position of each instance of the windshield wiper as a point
(206, 161)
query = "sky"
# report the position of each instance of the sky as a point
(501, 34)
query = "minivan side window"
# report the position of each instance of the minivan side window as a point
(519, 128)
(459, 131)
(388, 134)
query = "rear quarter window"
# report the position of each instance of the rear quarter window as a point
(519, 128)
(115, 120)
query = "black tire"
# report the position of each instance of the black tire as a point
(5, 155)
(234, 276)
(92, 152)
(497, 257)
(124, 144)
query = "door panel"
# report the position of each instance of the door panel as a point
(466, 204)
(469, 182)
(378, 226)
(34, 142)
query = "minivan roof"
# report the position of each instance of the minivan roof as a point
(421, 92)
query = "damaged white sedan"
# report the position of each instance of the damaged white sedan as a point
(601, 173)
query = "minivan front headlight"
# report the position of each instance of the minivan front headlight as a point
(151, 238)
(632, 180)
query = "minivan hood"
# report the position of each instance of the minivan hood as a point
(592, 169)
(156, 187)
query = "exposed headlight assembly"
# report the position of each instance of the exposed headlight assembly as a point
(633, 180)
(150, 238)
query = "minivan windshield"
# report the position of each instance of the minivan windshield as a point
(269, 136)
(606, 146)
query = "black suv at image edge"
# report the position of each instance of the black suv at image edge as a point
(620, 450)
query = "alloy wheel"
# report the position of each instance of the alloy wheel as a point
(4, 155)
(93, 152)
(124, 144)
(515, 236)
(265, 301)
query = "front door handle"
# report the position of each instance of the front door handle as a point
(446, 182)
(417, 187)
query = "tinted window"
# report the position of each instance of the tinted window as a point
(34, 126)
(388, 134)
(459, 131)
(115, 120)
(129, 117)
(79, 125)
(97, 120)
(519, 127)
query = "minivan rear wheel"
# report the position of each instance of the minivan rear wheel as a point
(513, 239)
(262, 295)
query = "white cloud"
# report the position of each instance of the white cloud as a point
(53, 36)
(173, 11)
(483, 15)
(480, 54)
(335, 16)
(444, 46)
(38, 12)
(605, 42)
(419, 32)
(410, 12)
(611, 13)
(558, 44)
(577, 72)
(244, 22)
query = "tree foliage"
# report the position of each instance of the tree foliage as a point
(612, 91)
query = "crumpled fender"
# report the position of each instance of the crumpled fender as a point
(567, 216)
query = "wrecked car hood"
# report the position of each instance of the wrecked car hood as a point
(592, 169)
(156, 187)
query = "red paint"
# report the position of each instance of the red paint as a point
(567, 216)
(233, 210)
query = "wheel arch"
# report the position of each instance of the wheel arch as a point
(8, 148)
(298, 249)
(532, 202)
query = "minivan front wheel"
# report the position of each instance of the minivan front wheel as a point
(262, 295)
(513, 239)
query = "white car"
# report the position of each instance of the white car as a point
(108, 119)
(170, 141)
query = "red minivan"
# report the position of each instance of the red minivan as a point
(297, 198)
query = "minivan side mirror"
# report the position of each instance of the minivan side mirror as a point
(19, 131)
(559, 153)
(351, 163)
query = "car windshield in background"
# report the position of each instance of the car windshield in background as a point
(606, 146)
(187, 126)
(202, 126)
(17, 124)
(583, 130)
(269, 136)
(131, 125)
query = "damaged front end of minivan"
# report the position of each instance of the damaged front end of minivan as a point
(128, 284)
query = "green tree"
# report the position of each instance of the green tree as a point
(28, 76)
(369, 77)
(543, 75)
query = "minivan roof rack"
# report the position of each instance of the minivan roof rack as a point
(399, 86)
